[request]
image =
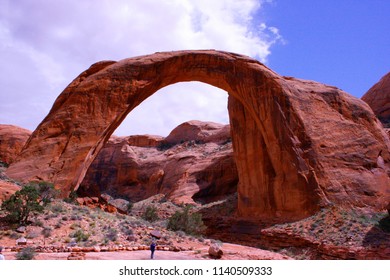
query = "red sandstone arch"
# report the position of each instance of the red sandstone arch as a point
(297, 144)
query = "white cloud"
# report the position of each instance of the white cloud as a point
(44, 45)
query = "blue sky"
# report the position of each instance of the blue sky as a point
(45, 44)
(345, 43)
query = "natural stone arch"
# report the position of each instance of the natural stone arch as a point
(297, 144)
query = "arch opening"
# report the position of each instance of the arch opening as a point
(173, 105)
(193, 163)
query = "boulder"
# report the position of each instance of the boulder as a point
(21, 229)
(21, 241)
(215, 251)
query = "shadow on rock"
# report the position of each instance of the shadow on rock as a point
(378, 235)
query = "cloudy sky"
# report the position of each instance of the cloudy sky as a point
(45, 44)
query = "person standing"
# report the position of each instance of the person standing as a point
(2, 258)
(152, 248)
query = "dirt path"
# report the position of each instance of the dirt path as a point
(123, 255)
(231, 252)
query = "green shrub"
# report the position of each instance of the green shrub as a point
(22, 204)
(150, 214)
(79, 235)
(27, 253)
(190, 223)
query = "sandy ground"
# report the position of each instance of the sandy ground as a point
(231, 252)
(123, 255)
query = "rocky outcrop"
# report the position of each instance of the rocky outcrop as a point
(200, 132)
(195, 162)
(12, 140)
(7, 189)
(314, 144)
(378, 97)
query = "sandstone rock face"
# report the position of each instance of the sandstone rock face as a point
(314, 144)
(12, 140)
(378, 97)
(195, 162)
(7, 189)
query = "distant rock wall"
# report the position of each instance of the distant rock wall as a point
(378, 97)
(194, 162)
(12, 140)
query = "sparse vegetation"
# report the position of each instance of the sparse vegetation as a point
(47, 231)
(27, 253)
(150, 214)
(112, 234)
(71, 198)
(79, 235)
(190, 223)
(129, 207)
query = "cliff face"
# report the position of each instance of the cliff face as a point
(298, 145)
(12, 140)
(195, 162)
(378, 97)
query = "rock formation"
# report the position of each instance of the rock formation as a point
(195, 162)
(12, 140)
(378, 97)
(298, 145)
(7, 189)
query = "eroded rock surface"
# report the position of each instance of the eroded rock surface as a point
(195, 162)
(12, 140)
(378, 97)
(315, 145)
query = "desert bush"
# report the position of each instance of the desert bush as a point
(27, 253)
(22, 204)
(79, 235)
(75, 218)
(112, 234)
(57, 208)
(37, 223)
(47, 231)
(71, 198)
(150, 214)
(190, 223)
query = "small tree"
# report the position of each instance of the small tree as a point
(46, 191)
(190, 223)
(150, 214)
(22, 203)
